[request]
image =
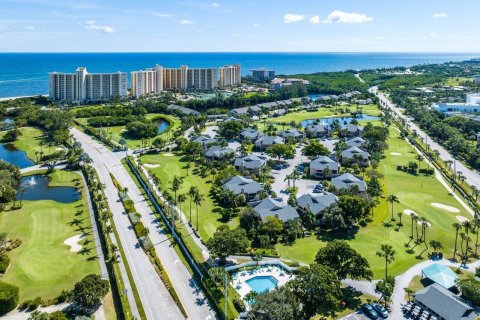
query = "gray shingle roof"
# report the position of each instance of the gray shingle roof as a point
(324, 162)
(267, 141)
(353, 128)
(317, 202)
(183, 109)
(290, 133)
(205, 140)
(251, 134)
(218, 152)
(347, 180)
(270, 207)
(239, 184)
(351, 152)
(355, 142)
(250, 162)
(444, 303)
(317, 128)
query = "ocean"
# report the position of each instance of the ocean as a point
(23, 74)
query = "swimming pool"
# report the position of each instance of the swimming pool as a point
(261, 284)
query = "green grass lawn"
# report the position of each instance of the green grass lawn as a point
(119, 131)
(415, 193)
(29, 141)
(169, 166)
(299, 116)
(43, 265)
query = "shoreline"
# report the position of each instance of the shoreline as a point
(19, 97)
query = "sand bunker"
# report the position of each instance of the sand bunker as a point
(395, 153)
(445, 207)
(168, 154)
(409, 212)
(149, 165)
(428, 223)
(461, 219)
(72, 242)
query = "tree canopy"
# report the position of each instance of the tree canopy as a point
(346, 262)
(90, 291)
(226, 241)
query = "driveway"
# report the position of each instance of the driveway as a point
(355, 316)
(280, 185)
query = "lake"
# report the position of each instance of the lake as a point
(15, 156)
(37, 188)
(342, 120)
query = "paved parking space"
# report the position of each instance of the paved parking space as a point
(355, 316)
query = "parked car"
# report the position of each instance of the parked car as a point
(277, 167)
(380, 310)
(369, 311)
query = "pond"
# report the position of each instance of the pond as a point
(162, 125)
(343, 120)
(316, 96)
(36, 188)
(15, 156)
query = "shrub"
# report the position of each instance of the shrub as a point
(8, 297)
(4, 263)
(35, 303)
(24, 304)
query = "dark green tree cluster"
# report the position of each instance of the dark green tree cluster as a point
(142, 130)
(9, 182)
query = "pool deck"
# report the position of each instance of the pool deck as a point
(240, 277)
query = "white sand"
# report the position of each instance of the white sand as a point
(72, 242)
(395, 153)
(409, 212)
(461, 219)
(445, 207)
(168, 154)
(428, 223)
(149, 165)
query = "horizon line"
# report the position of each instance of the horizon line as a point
(247, 52)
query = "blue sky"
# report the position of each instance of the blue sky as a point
(240, 25)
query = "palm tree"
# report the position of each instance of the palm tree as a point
(392, 199)
(420, 158)
(425, 225)
(182, 197)
(388, 253)
(192, 192)
(412, 215)
(476, 223)
(436, 245)
(457, 227)
(416, 219)
(188, 166)
(436, 153)
(198, 201)
(449, 164)
(176, 184)
(23, 190)
(462, 238)
(467, 225)
(400, 214)
(475, 192)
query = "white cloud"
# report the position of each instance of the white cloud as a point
(256, 25)
(439, 15)
(92, 25)
(315, 19)
(338, 16)
(215, 4)
(291, 18)
(185, 21)
(161, 14)
(30, 27)
(433, 35)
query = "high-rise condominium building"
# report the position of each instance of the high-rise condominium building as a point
(158, 79)
(230, 75)
(82, 86)
(263, 74)
(145, 82)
